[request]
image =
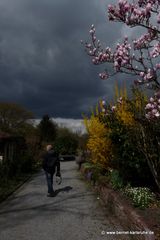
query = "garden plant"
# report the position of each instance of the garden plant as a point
(134, 119)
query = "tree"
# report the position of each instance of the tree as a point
(47, 129)
(82, 141)
(66, 141)
(140, 57)
(33, 141)
(13, 117)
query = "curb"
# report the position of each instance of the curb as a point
(116, 204)
(124, 212)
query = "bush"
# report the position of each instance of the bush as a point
(128, 159)
(141, 197)
(88, 165)
(26, 164)
(94, 172)
(116, 180)
(103, 180)
(98, 144)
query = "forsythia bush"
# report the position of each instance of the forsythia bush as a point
(122, 112)
(124, 115)
(115, 129)
(99, 144)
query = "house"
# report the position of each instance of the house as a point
(10, 147)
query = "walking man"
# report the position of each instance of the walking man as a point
(51, 164)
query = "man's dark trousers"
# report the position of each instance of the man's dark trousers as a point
(49, 177)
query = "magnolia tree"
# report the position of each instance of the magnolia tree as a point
(141, 56)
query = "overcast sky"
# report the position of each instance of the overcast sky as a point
(43, 65)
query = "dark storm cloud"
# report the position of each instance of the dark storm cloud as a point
(42, 63)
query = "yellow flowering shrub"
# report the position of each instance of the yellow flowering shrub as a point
(140, 100)
(124, 114)
(98, 144)
(122, 109)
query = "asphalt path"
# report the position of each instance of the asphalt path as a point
(74, 214)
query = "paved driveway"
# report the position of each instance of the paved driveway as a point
(74, 214)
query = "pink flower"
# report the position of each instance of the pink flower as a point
(148, 106)
(153, 107)
(151, 99)
(138, 57)
(157, 114)
(103, 75)
(113, 108)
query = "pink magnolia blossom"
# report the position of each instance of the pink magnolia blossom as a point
(153, 107)
(156, 51)
(137, 57)
(103, 75)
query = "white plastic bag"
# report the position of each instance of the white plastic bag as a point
(58, 180)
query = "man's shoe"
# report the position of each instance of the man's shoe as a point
(51, 195)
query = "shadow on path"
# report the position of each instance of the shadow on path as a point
(73, 205)
(65, 189)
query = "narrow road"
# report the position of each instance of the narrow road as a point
(74, 214)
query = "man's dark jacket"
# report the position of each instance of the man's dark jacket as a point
(51, 162)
